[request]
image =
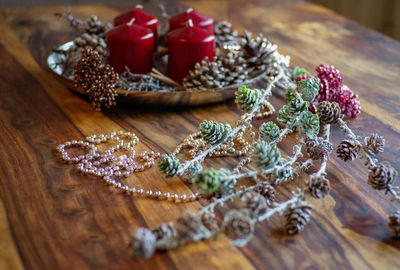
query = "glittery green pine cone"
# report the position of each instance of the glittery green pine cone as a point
(266, 155)
(309, 123)
(207, 181)
(269, 132)
(286, 118)
(213, 132)
(295, 105)
(308, 88)
(169, 165)
(247, 99)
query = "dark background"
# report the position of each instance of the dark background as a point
(381, 15)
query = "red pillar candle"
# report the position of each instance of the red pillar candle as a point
(130, 45)
(141, 18)
(199, 20)
(187, 46)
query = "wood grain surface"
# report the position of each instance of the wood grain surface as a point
(51, 217)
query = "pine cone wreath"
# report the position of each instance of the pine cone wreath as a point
(328, 112)
(348, 150)
(98, 80)
(260, 54)
(374, 144)
(319, 187)
(225, 34)
(297, 217)
(318, 148)
(206, 75)
(381, 176)
(394, 223)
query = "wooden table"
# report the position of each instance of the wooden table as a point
(51, 217)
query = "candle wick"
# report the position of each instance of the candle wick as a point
(189, 23)
(131, 22)
(189, 10)
(139, 6)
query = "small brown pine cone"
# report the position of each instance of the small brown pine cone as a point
(224, 33)
(394, 223)
(255, 203)
(297, 217)
(348, 150)
(266, 190)
(238, 226)
(206, 75)
(209, 221)
(381, 175)
(328, 112)
(165, 230)
(374, 144)
(319, 187)
(318, 148)
(191, 227)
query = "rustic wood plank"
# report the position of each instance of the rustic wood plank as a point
(87, 225)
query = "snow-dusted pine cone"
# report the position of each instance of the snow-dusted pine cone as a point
(213, 132)
(319, 187)
(260, 54)
(297, 217)
(318, 148)
(266, 190)
(165, 230)
(381, 175)
(209, 221)
(394, 223)
(348, 150)
(374, 144)
(255, 203)
(206, 75)
(224, 33)
(328, 112)
(238, 226)
(190, 227)
(144, 243)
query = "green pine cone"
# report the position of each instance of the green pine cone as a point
(309, 122)
(247, 99)
(299, 71)
(269, 131)
(308, 88)
(286, 118)
(169, 165)
(266, 155)
(296, 105)
(213, 132)
(227, 182)
(207, 181)
(283, 173)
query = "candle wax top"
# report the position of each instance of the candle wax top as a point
(197, 18)
(141, 18)
(191, 34)
(130, 32)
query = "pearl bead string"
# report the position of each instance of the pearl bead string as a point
(112, 169)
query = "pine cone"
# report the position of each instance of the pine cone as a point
(224, 33)
(266, 190)
(348, 150)
(318, 148)
(374, 144)
(169, 165)
(213, 132)
(284, 172)
(207, 181)
(206, 75)
(297, 217)
(260, 54)
(87, 41)
(94, 26)
(394, 223)
(144, 243)
(165, 230)
(190, 226)
(381, 176)
(319, 187)
(255, 203)
(247, 99)
(328, 112)
(265, 155)
(309, 123)
(238, 226)
(209, 221)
